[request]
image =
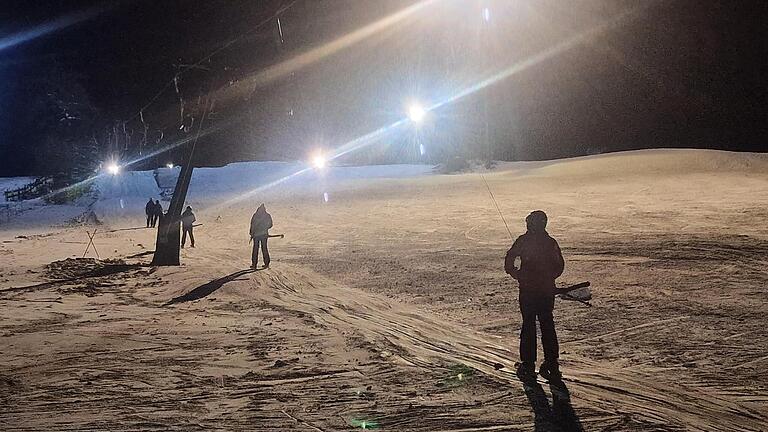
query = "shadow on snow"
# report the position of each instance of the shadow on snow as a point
(560, 416)
(208, 288)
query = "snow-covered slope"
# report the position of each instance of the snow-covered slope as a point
(398, 279)
(645, 162)
(236, 179)
(124, 196)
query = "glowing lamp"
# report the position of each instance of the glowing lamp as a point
(113, 168)
(416, 113)
(319, 161)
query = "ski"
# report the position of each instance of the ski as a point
(566, 290)
(579, 292)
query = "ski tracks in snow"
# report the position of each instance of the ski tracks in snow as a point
(636, 395)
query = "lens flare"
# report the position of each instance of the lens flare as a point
(319, 160)
(364, 423)
(460, 375)
(58, 24)
(113, 168)
(416, 112)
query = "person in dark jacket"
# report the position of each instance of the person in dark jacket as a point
(541, 262)
(157, 211)
(187, 221)
(149, 209)
(261, 222)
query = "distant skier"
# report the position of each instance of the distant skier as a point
(149, 209)
(187, 221)
(541, 262)
(261, 222)
(157, 211)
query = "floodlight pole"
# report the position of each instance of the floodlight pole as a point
(167, 248)
(486, 93)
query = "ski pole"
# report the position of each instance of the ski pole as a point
(497, 206)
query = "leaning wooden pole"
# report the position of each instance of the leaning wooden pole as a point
(167, 244)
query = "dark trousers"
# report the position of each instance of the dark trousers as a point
(184, 231)
(532, 307)
(153, 220)
(260, 241)
(149, 220)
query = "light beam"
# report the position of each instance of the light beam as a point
(57, 24)
(542, 56)
(328, 49)
(376, 135)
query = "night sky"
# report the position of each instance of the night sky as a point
(673, 74)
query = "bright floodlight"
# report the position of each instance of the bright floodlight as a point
(169, 165)
(319, 161)
(487, 14)
(416, 113)
(113, 168)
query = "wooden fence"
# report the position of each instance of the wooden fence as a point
(37, 188)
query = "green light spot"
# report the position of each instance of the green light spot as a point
(364, 424)
(459, 375)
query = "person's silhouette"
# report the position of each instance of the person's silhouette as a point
(261, 222)
(541, 262)
(187, 224)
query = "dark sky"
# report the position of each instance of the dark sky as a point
(678, 73)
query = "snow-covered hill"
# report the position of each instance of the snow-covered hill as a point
(123, 196)
(387, 286)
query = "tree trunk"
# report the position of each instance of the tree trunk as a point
(167, 244)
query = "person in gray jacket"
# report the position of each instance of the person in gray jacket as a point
(187, 224)
(261, 222)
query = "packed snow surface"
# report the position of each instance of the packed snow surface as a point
(379, 294)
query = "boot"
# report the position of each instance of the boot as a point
(550, 371)
(526, 371)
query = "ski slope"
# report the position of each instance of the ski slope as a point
(375, 296)
(121, 197)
